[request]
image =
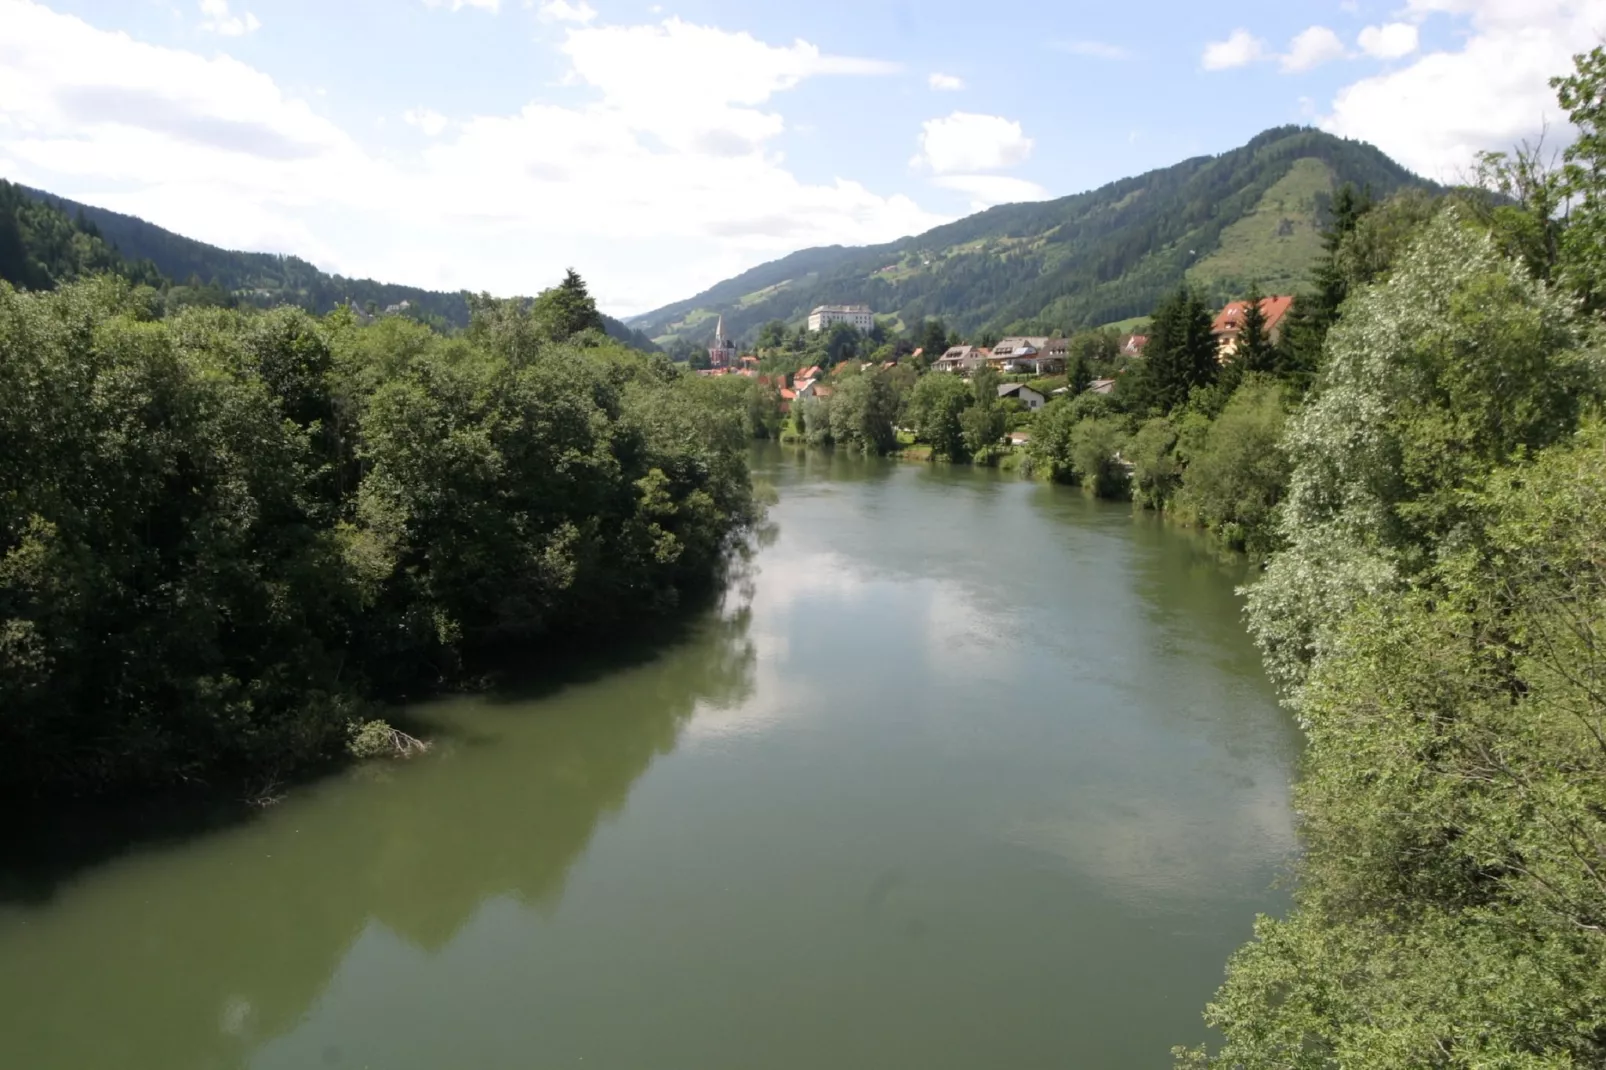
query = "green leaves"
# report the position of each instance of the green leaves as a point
(222, 533)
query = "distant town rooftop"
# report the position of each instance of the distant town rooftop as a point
(862, 310)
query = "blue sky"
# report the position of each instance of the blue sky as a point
(659, 147)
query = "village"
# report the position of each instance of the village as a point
(1020, 361)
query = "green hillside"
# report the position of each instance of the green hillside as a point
(1251, 215)
(82, 239)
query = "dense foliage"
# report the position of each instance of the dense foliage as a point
(1434, 615)
(221, 533)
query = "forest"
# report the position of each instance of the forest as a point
(227, 536)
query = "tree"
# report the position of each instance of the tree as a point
(1079, 376)
(863, 410)
(842, 342)
(933, 338)
(1095, 444)
(1235, 481)
(982, 425)
(1254, 352)
(1583, 246)
(1315, 312)
(567, 309)
(772, 335)
(1449, 906)
(1156, 468)
(1181, 354)
(935, 407)
(1455, 363)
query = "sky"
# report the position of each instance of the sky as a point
(659, 147)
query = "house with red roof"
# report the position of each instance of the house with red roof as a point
(1229, 322)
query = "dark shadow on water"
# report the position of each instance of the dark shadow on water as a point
(50, 842)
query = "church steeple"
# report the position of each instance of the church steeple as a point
(723, 351)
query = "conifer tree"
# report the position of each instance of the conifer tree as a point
(1254, 352)
(567, 308)
(1181, 353)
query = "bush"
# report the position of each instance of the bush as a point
(1235, 481)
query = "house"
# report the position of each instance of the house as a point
(1133, 345)
(1020, 438)
(1022, 393)
(804, 388)
(750, 362)
(961, 359)
(1101, 386)
(787, 397)
(1229, 322)
(811, 373)
(826, 316)
(1036, 356)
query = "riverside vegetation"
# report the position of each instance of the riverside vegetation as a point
(1420, 463)
(225, 533)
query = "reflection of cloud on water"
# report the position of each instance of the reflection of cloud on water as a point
(967, 639)
(1165, 851)
(819, 615)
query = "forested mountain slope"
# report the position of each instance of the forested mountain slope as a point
(260, 279)
(1224, 222)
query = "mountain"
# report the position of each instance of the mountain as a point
(64, 239)
(1252, 215)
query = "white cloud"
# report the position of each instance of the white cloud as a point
(1434, 114)
(493, 6)
(432, 123)
(215, 149)
(1094, 49)
(988, 190)
(1311, 49)
(965, 143)
(641, 73)
(1240, 49)
(1390, 41)
(563, 11)
(217, 19)
(946, 81)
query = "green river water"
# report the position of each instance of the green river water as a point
(967, 772)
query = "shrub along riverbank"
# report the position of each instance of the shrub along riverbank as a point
(223, 535)
(1433, 609)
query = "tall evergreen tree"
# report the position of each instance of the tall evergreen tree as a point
(1181, 353)
(567, 308)
(1315, 312)
(1254, 352)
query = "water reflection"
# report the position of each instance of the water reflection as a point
(975, 772)
(193, 956)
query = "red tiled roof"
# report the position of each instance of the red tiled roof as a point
(1231, 318)
(788, 394)
(811, 373)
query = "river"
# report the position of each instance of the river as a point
(966, 772)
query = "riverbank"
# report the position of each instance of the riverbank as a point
(974, 788)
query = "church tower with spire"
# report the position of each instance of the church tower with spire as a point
(723, 352)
